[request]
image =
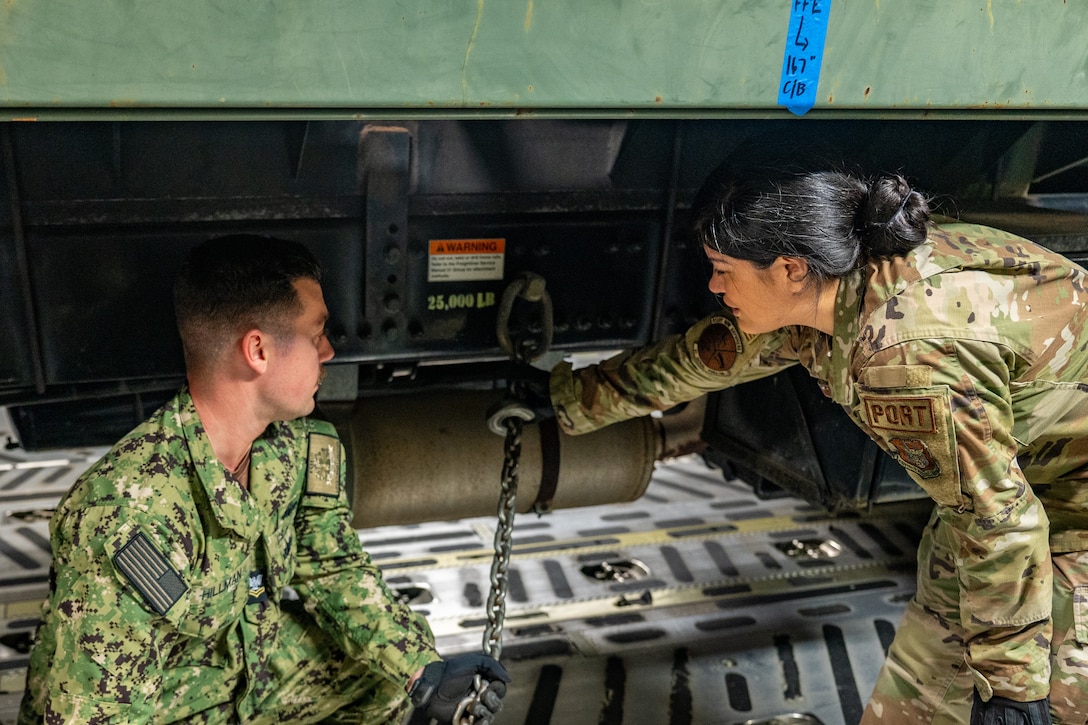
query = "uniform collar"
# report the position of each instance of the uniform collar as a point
(847, 311)
(232, 507)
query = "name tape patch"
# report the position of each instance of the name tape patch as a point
(323, 465)
(904, 415)
(150, 573)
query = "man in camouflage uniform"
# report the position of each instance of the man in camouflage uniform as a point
(205, 569)
(966, 361)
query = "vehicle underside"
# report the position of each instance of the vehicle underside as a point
(428, 231)
(742, 558)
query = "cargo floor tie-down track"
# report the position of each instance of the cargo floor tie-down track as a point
(699, 603)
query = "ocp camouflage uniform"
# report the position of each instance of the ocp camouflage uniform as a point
(965, 360)
(165, 600)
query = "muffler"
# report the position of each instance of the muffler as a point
(431, 457)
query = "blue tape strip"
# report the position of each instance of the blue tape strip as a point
(804, 55)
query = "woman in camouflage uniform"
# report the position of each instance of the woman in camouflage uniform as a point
(960, 350)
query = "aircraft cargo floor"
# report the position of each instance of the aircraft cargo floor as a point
(699, 603)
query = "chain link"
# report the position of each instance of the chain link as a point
(463, 715)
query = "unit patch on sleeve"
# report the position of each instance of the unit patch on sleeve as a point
(718, 346)
(150, 573)
(323, 465)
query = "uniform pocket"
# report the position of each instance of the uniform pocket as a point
(1080, 614)
(216, 603)
(215, 607)
(915, 427)
(1071, 596)
(82, 709)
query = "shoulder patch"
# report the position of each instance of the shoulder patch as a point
(323, 465)
(718, 346)
(149, 571)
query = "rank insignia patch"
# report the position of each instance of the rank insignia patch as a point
(150, 573)
(323, 466)
(257, 592)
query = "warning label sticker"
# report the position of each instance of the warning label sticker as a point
(462, 260)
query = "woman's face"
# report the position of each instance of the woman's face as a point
(761, 300)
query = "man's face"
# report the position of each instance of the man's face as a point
(296, 356)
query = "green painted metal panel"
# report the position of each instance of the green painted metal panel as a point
(460, 58)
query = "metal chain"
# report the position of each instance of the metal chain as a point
(500, 564)
(508, 418)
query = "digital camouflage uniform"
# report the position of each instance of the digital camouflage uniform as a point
(165, 601)
(966, 361)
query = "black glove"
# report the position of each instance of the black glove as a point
(531, 386)
(1003, 711)
(444, 684)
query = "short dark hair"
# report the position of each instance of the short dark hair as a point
(836, 221)
(234, 283)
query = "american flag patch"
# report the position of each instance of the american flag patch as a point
(150, 573)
